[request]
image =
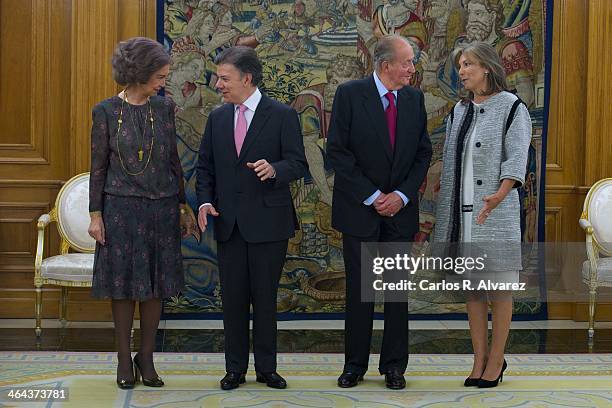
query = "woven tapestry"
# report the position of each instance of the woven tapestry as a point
(308, 48)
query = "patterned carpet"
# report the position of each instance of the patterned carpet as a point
(532, 380)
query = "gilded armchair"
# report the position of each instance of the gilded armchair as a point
(69, 269)
(596, 220)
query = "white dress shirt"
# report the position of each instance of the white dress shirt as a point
(251, 103)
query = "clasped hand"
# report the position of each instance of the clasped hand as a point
(387, 205)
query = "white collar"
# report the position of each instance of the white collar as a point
(382, 90)
(252, 101)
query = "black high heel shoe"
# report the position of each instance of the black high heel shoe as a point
(489, 384)
(471, 382)
(152, 382)
(126, 384)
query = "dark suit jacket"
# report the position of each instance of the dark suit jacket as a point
(360, 152)
(263, 210)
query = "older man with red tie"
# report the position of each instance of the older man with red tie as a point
(380, 150)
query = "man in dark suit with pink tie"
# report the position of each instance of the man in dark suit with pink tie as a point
(251, 149)
(380, 151)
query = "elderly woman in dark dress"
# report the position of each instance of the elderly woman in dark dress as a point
(137, 203)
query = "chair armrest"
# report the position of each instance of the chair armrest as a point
(586, 225)
(592, 254)
(43, 221)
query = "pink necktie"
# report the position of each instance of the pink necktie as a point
(391, 116)
(241, 128)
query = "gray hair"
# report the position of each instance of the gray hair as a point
(487, 57)
(135, 60)
(385, 49)
(244, 59)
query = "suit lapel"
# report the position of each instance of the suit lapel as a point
(404, 115)
(374, 108)
(262, 113)
(229, 145)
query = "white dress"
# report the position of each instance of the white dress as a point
(467, 200)
(467, 185)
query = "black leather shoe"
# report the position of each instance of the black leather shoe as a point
(395, 380)
(272, 380)
(232, 380)
(348, 379)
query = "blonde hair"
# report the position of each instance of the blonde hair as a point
(487, 57)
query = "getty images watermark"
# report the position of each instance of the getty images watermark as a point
(479, 279)
(399, 268)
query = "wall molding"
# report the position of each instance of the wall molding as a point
(32, 183)
(598, 146)
(564, 139)
(36, 151)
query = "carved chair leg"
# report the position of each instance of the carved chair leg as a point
(592, 304)
(38, 311)
(63, 306)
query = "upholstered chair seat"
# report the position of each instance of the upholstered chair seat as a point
(69, 267)
(603, 272)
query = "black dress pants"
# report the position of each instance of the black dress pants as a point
(249, 274)
(359, 314)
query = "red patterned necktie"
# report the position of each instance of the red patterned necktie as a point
(391, 115)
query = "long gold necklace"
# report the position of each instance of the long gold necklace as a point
(140, 151)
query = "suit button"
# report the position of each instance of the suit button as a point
(478, 144)
(479, 182)
(481, 110)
